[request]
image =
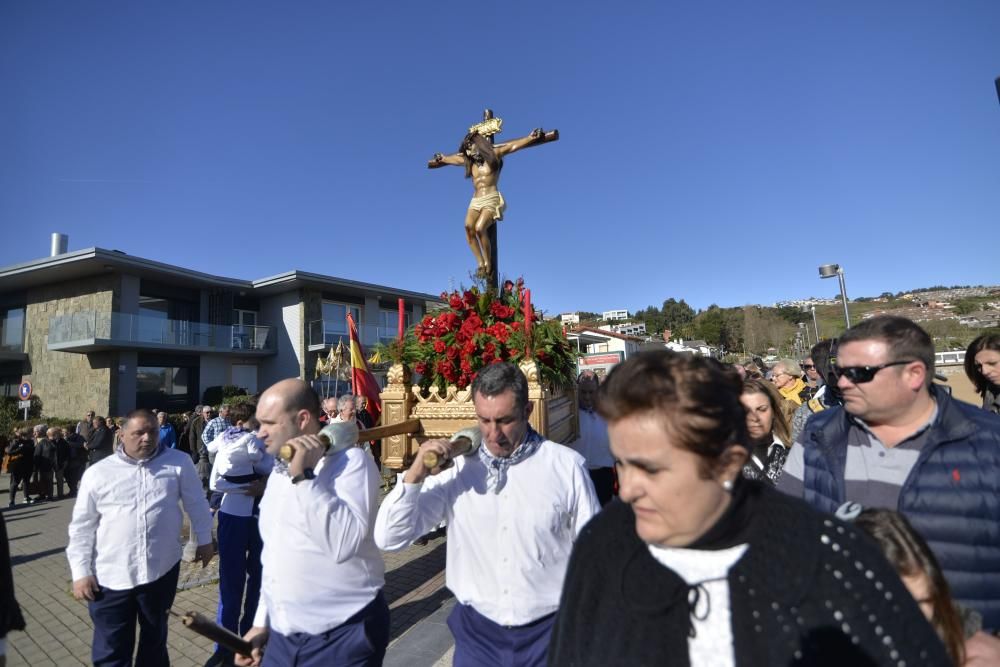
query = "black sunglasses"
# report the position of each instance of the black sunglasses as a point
(806, 367)
(862, 374)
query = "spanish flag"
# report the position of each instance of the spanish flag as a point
(362, 380)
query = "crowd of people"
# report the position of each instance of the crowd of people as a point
(842, 507)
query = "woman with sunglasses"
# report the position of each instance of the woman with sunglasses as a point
(982, 365)
(700, 567)
(768, 431)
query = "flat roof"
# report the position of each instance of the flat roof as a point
(96, 261)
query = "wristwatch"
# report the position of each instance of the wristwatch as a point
(306, 474)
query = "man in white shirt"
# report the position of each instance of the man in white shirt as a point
(321, 600)
(593, 443)
(125, 541)
(513, 508)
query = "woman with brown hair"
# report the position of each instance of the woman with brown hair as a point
(767, 427)
(909, 554)
(698, 566)
(982, 365)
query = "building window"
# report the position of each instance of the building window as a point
(335, 319)
(162, 387)
(12, 330)
(388, 324)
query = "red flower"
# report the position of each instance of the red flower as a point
(468, 349)
(500, 331)
(466, 366)
(452, 352)
(501, 311)
(515, 326)
(455, 301)
(470, 298)
(439, 346)
(420, 367)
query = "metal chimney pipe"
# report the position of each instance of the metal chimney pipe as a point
(59, 244)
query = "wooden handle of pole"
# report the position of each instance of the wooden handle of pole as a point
(459, 447)
(218, 634)
(401, 428)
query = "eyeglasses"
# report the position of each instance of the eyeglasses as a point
(862, 374)
(806, 367)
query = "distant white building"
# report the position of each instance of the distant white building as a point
(698, 347)
(570, 319)
(614, 315)
(591, 340)
(628, 329)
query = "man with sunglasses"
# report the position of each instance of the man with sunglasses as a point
(899, 442)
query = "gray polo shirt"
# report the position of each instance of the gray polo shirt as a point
(874, 473)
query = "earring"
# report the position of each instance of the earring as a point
(727, 484)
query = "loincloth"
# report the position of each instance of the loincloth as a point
(493, 201)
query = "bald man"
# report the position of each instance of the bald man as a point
(321, 600)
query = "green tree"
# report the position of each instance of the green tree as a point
(676, 314)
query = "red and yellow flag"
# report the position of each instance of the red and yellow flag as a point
(362, 380)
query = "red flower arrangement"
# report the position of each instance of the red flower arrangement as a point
(481, 327)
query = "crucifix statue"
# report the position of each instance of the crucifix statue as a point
(483, 161)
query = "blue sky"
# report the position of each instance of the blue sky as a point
(712, 151)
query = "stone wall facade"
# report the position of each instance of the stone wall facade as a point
(69, 383)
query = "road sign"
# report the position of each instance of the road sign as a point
(24, 405)
(24, 391)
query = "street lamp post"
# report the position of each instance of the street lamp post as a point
(812, 309)
(829, 271)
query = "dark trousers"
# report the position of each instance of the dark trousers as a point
(60, 481)
(73, 474)
(360, 641)
(19, 478)
(114, 614)
(239, 569)
(44, 479)
(604, 484)
(479, 641)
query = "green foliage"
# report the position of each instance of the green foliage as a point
(216, 395)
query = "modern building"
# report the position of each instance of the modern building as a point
(569, 319)
(614, 315)
(628, 328)
(103, 330)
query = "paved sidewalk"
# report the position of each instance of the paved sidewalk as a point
(59, 628)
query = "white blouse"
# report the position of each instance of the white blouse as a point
(712, 643)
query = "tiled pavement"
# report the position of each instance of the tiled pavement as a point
(59, 628)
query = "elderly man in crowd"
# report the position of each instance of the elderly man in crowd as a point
(899, 442)
(514, 508)
(124, 542)
(101, 441)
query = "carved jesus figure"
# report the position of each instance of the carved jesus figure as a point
(483, 162)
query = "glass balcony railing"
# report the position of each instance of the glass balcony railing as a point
(126, 328)
(326, 333)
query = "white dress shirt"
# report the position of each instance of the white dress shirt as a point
(507, 551)
(321, 565)
(593, 443)
(243, 456)
(126, 525)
